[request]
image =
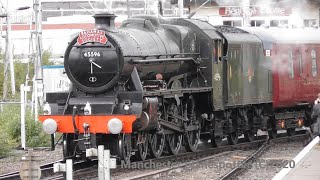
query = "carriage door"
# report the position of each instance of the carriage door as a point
(301, 75)
(234, 77)
(217, 76)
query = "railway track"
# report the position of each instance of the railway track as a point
(47, 169)
(181, 157)
(89, 169)
(248, 162)
(214, 151)
(15, 175)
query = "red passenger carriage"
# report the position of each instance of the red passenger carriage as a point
(295, 66)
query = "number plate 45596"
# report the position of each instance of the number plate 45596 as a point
(92, 54)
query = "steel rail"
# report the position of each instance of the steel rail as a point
(247, 163)
(14, 175)
(212, 152)
(185, 157)
(47, 169)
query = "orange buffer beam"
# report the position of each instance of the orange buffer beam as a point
(98, 124)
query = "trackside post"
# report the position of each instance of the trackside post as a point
(69, 169)
(23, 117)
(23, 99)
(100, 162)
(105, 163)
(64, 167)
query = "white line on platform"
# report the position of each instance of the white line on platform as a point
(298, 158)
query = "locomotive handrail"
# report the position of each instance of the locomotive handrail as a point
(158, 55)
(162, 60)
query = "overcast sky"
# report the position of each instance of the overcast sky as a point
(14, 4)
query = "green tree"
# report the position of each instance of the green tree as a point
(46, 55)
(21, 70)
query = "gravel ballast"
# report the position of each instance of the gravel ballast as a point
(13, 162)
(270, 164)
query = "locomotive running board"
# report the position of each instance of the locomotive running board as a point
(178, 127)
(168, 60)
(169, 93)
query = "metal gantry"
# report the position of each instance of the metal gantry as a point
(36, 40)
(8, 60)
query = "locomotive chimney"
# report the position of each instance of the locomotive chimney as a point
(105, 21)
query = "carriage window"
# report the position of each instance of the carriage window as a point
(290, 65)
(314, 63)
(300, 63)
(257, 23)
(232, 23)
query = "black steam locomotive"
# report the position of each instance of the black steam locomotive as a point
(155, 85)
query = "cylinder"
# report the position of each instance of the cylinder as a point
(149, 116)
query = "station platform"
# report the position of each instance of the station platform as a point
(307, 164)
